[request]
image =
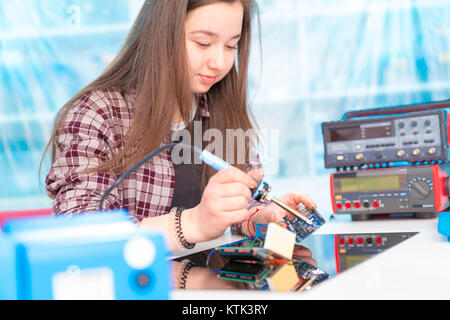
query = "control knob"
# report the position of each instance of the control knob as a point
(420, 188)
(432, 150)
(401, 153)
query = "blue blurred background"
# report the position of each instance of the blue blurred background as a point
(318, 60)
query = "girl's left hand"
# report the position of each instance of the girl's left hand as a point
(274, 213)
(304, 253)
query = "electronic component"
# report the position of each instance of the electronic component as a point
(245, 253)
(87, 256)
(280, 241)
(244, 271)
(310, 274)
(245, 261)
(411, 137)
(353, 248)
(302, 229)
(422, 190)
(266, 262)
(283, 278)
(263, 192)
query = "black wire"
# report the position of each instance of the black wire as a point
(137, 165)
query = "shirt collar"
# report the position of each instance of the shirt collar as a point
(199, 105)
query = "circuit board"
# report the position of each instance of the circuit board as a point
(245, 253)
(301, 228)
(245, 271)
(306, 270)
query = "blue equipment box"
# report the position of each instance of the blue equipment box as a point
(89, 256)
(444, 224)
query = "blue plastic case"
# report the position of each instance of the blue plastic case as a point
(91, 256)
(444, 224)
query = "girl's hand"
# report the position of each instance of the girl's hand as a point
(304, 253)
(224, 202)
(274, 213)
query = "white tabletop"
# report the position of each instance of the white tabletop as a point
(418, 268)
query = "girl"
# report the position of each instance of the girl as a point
(183, 61)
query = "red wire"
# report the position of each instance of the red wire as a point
(248, 223)
(278, 261)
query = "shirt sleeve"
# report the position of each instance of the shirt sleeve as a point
(84, 141)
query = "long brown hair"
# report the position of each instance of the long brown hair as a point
(152, 65)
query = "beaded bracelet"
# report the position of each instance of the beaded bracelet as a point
(176, 222)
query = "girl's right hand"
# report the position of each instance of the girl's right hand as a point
(224, 202)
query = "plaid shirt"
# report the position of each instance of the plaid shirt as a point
(87, 137)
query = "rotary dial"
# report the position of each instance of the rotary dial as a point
(420, 188)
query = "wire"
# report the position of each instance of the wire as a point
(138, 164)
(248, 222)
(259, 233)
(134, 167)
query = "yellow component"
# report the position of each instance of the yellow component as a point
(338, 197)
(284, 278)
(342, 250)
(279, 241)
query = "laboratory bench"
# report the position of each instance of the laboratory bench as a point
(415, 268)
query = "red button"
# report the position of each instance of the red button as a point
(348, 205)
(379, 240)
(360, 240)
(351, 241)
(341, 241)
(357, 205)
(376, 204)
(339, 206)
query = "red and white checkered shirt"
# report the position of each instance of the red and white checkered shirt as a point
(88, 137)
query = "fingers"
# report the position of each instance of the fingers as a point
(233, 204)
(305, 254)
(231, 175)
(302, 251)
(295, 198)
(225, 198)
(237, 216)
(256, 174)
(233, 190)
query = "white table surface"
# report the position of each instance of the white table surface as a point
(418, 268)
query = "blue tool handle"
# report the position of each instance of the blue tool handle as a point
(219, 164)
(213, 161)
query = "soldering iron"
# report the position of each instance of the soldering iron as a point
(263, 192)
